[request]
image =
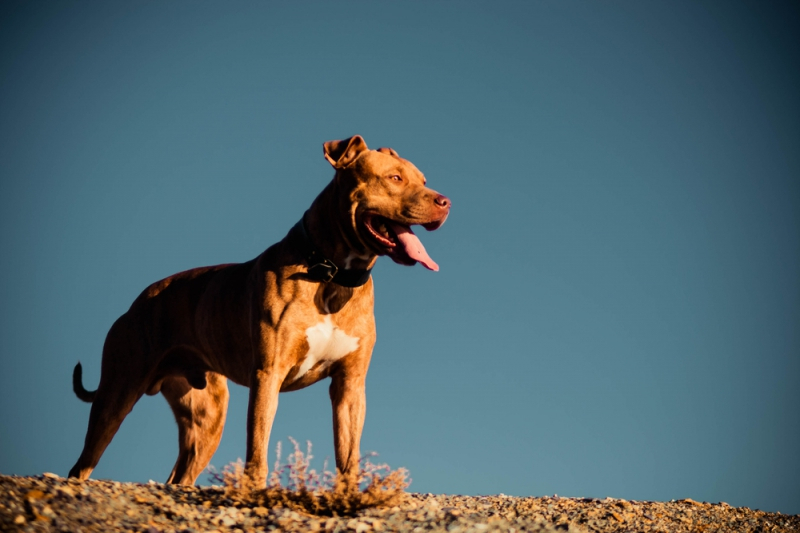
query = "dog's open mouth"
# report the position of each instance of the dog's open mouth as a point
(398, 241)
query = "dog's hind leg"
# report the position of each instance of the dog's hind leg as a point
(200, 415)
(122, 383)
(110, 407)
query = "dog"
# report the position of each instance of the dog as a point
(298, 313)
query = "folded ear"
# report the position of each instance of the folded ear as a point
(389, 151)
(342, 153)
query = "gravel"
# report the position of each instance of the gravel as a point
(52, 503)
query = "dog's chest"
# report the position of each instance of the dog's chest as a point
(327, 343)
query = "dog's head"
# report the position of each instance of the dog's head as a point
(385, 196)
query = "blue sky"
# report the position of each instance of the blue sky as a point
(618, 303)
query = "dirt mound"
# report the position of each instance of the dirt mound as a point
(52, 503)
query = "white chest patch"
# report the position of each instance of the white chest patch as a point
(326, 344)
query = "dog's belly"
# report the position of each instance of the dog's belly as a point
(327, 343)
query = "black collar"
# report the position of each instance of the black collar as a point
(322, 269)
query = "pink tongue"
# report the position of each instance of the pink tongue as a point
(413, 247)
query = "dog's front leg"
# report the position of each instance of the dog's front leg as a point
(264, 389)
(349, 402)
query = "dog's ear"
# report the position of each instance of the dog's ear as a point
(342, 153)
(389, 151)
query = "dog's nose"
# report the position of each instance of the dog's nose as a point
(442, 201)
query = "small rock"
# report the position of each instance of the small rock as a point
(51, 475)
(20, 519)
(34, 494)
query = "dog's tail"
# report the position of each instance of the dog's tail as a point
(77, 385)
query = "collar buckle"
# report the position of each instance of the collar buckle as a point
(322, 270)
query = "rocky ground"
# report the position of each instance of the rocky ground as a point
(52, 503)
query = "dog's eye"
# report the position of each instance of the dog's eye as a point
(395, 177)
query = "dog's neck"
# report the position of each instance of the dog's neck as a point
(330, 233)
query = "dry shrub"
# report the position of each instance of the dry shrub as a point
(295, 485)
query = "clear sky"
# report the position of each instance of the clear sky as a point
(618, 307)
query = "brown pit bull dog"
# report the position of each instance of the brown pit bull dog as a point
(300, 312)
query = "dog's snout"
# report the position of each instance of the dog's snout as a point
(442, 201)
